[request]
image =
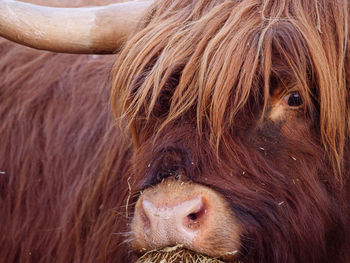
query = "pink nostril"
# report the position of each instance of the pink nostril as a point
(194, 219)
(192, 216)
(144, 217)
(172, 222)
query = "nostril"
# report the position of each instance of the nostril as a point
(195, 219)
(174, 221)
(192, 216)
(145, 219)
(196, 215)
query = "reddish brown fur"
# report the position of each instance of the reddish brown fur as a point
(61, 156)
(67, 171)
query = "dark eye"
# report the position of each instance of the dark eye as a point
(293, 99)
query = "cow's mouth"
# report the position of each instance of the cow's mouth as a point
(177, 254)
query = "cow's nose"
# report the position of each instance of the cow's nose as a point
(174, 223)
(195, 216)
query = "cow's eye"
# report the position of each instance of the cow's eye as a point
(293, 99)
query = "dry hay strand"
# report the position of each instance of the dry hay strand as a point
(175, 254)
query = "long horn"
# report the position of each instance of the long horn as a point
(85, 30)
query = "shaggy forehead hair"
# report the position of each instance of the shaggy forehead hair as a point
(224, 54)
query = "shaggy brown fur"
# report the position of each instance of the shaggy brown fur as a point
(61, 158)
(198, 84)
(195, 86)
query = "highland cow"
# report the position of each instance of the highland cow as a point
(220, 128)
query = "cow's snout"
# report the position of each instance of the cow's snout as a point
(169, 223)
(195, 216)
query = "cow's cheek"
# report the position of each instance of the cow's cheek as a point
(195, 216)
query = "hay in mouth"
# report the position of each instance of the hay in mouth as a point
(176, 254)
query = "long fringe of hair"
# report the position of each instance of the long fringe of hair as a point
(224, 53)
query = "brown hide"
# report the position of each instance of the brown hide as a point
(70, 177)
(208, 97)
(60, 152)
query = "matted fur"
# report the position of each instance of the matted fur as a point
(194, 85)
